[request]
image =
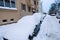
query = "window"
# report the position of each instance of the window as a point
(7, 3)
(23, 7)
(12, 20)
(35, 2)
(1, 3)
(13, 3)
(29, 8)
(4, 20)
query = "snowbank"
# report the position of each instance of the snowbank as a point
(50, 29)
(22, 29)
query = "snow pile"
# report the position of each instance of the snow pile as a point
(37, 17)
(22, 29)
(50, 29)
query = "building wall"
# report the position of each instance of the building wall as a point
(15, 15)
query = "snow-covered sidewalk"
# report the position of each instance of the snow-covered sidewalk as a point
(50, 29)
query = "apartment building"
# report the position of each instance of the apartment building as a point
(12, 10)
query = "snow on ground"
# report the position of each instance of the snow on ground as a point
(20, 30)
(50, 29)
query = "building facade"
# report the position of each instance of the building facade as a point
(12, 10)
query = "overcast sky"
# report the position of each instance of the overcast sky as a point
(47, 4)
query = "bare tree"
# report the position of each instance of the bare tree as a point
(52, 10)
